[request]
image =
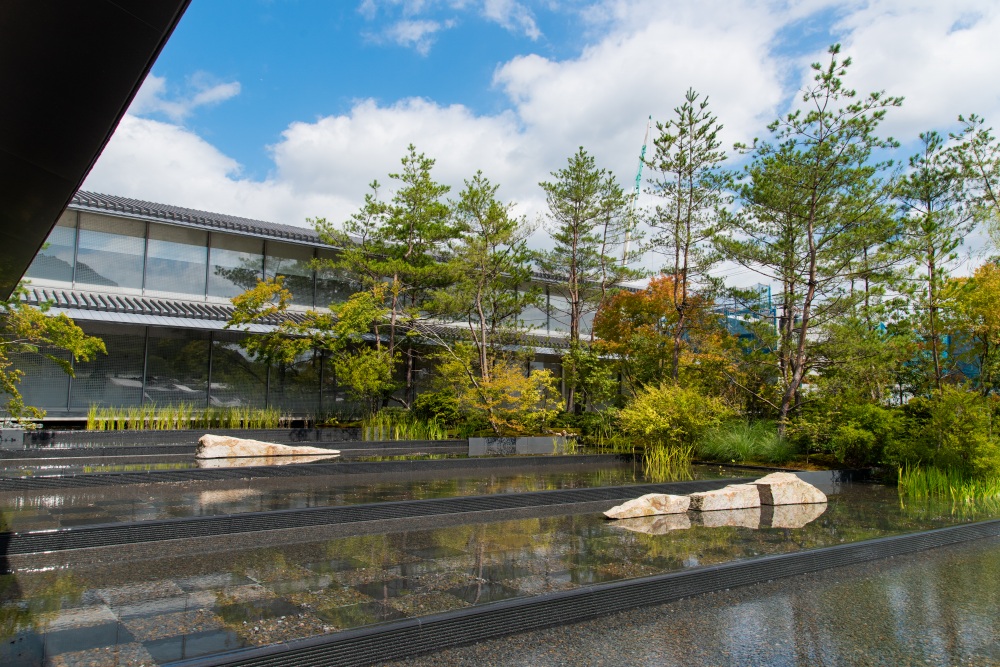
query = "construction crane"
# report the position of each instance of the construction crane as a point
(631, 224)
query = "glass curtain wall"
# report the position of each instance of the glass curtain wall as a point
(114, 378)
(177, 260)
(294, 264)
(177, 366)
(55, 260)
(236, 263)
(237, 380)
(331, 286)
(111, 251)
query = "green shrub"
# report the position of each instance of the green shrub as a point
(670, 415)
(740, 441)
(441, 406)
(953, 430)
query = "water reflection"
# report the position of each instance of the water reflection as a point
(247, 461)
(181, 606)
(83, 506)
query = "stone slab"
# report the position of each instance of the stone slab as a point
(785, 488)
(732, 497)
(649, 505)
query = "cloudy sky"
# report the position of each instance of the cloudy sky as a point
(282, 110)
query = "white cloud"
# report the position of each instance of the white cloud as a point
(511, 15)
(200, 90)
(416, 34)
(641, 58)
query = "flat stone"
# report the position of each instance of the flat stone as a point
(655, 525)
(224, 447)
(649, 505)
(748, 517)
(252, 461)
(732, 497)
(785, 488)
(794, 516)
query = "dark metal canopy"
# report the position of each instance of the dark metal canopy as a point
(68, 71)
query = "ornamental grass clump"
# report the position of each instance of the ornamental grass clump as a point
(741, 441)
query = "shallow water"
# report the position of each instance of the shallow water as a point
(183, 606)
(89, 506)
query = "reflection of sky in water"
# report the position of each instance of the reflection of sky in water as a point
(306, 589)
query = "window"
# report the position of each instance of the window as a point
(55, 260)
(236, 263)
(293, 263)
(177, 260)
(111, 251)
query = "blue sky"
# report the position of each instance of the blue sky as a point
(282, 110)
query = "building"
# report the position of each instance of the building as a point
(155, 281)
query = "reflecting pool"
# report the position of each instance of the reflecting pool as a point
(183, 606)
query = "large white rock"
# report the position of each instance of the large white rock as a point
(224, 447)
(660, 524)
(649, 505)
(794, 516)
(785, 488)
(748, 517)
(732, 497)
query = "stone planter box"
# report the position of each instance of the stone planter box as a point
(502, 446)
(11, 438)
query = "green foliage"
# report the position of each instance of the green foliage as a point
(953, 429)
(150, 417)
(399, 424)
(930, 482)
(441, 406)
(742, 441)
(25, 329)
(671, 416)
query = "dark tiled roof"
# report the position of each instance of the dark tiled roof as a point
(135, 207)
(134, 305)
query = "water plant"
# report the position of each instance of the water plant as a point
(394, 424)
(182, 416)
(667, 463)
(930, 482)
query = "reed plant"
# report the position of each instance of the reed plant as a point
(400, 425)
(667, 463)
(181, 416)
(929, 482)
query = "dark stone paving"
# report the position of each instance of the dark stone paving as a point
(940, 607)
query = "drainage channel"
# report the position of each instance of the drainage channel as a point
(80, 480)
(138, 532)
(402, 639)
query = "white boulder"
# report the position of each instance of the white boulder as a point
(732, 497)
(224, 447)
(649, 505)
(785, 488)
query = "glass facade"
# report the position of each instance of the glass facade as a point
(114, 378)
(294, 264)
(176, 366)
(330, 286)
(111, 251)
(55, 260)
(236, 263)
(176, 260)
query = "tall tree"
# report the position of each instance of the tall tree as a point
(807, 201)
(398, 242)
(978, 156)
(586, 208)
(686, 167)
(491, 263)
(936, 218)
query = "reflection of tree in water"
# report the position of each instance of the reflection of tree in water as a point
(30, 601)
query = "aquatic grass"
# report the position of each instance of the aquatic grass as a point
(182, 416)
(400, 425)
(740, 441)
(930, 482)
(667, 463)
